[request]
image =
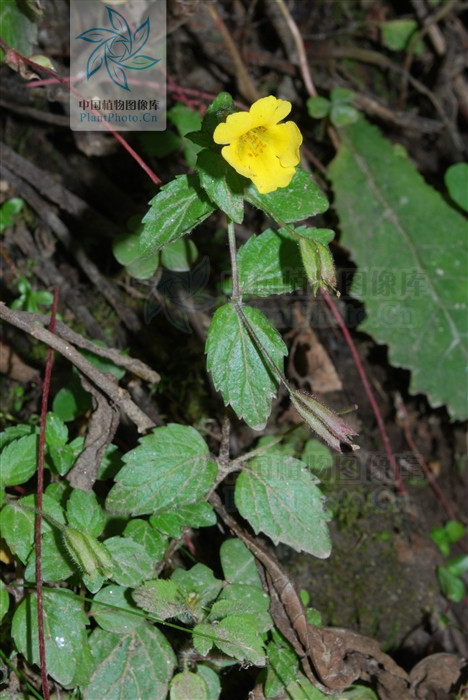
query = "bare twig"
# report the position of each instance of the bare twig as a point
(115, 393)
(133, 365)
(246, 87)
(303, 63)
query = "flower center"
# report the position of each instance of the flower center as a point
(252, 142)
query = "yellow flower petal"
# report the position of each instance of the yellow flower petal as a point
(260, 148)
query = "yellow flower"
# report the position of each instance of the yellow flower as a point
(258, 147)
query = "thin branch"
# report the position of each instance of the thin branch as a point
(303, 63)
(133, 365)
(367, 388)
(40, 490)
(113, 391)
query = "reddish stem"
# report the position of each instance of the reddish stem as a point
(403, 415)
(367, 388)
(12, 56)
(40, 490)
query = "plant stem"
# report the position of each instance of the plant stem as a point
(233, 254)
(40, 490)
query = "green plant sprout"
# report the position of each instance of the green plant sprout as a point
(450, 576)
(8, 210)
(29, 299)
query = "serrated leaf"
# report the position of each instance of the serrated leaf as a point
(170, 466)
(64, 630)
(239, 596)
(56, 433)
(282, 667)
(56, 565)
(270, 264)
(239, 564)
(301, 199)
(18, 461)
(237, 636)
(176, 210)
(161, 598)
(188, 686)
(203, 638)
(136, 666)
(132, 564)
(172, 523)
(141, 531)
(410, 246)
(302, 689)
(240, 371)
(13, 432)
(279, 496)
(222, 184)
(317, 456)
(17, 525)
(85, 513)
(109, 618)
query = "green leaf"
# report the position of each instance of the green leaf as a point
(188, 686)
(455, 530)
(72, 400)
(180, 255)
(184, 118)
(85, 513)
(239, 564)
(136, 666)
(239, 596)
(64, 631)
(212, 681)
(301, 199)
(410, 246)
(18, 461)
(18, 31)
(238, 637)
(141, 531)
(342, 95)
(13, 432)
(17, 524)
(199, 579)
(172, 523)
(458, 565)
(456, 181)
(317, 456)
(451, 585)
(161, 598)
(56, 565)
(143, 268)
(302, 689)
(322, 235)
(217, 112)
(171, 466)
(4, 600)
(122, 620)
(318, 107)
(222, 184)
(132, 564)
(270, 264)
(279, 496)
(343, 113)
(397, 33)
(238, 366)
(282, 667)
(176, 210)
(204, 636)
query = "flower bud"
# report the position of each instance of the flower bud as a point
(318, 264)
(90, 555)
(323, 420)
